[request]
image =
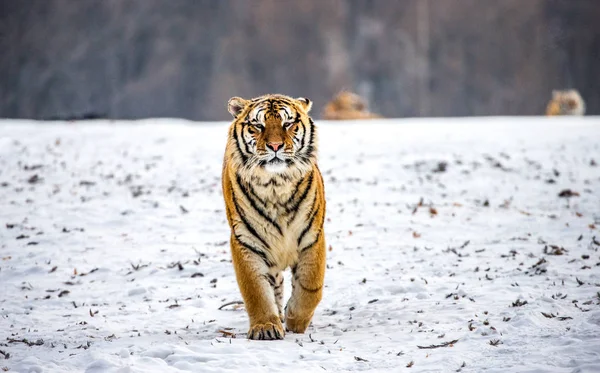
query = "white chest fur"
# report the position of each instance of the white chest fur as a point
(281, 217)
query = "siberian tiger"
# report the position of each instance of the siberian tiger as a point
(275, 205)
(347, 106)
(566, 102)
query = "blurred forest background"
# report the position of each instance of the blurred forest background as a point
(185, 58)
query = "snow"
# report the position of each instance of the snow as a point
(128, 218)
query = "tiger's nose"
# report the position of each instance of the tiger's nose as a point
(274, 145)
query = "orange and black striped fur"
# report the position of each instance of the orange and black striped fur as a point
(565, 102)
(275, 204)
(347, 106)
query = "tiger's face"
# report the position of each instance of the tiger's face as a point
(570, 101)
(273, 133)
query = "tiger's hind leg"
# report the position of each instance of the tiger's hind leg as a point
(257, 288)
(307, 286)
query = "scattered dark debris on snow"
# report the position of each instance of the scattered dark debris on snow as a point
(445, 344)
(441, 167)
(137, 267)
(495, 163)
(32, 167)
(85, 346)
(552, 316)
(227, 333)
(519, 303)
(87, 273)
(176, 264)
(554, 250)
(34, 179)
(235, 302)
(495, 342)
(38, 342)
(568, 193)
(539, 267)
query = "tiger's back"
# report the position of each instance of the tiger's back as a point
(275, 206)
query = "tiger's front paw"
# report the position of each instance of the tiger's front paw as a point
(296, 325)
(266, 331)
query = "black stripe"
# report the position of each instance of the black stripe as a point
(289, 200)
(311, 144)
(297, 203)
(237, 143)
(260, 211)
(312, 244)
(253, 192)
(304, 144)
(244, 221)
(242, 139)
(270, 278)
(311, 221)
(254, 250)
(308, 290)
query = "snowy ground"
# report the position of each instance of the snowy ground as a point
(114, 253)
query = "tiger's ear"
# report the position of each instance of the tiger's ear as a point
(305, 103)
(236, 105)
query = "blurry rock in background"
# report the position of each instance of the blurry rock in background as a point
(566, 102)
(346, 106)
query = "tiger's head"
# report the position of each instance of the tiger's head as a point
(569, 102)
(272, 134)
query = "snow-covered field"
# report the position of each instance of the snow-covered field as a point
(480, 236)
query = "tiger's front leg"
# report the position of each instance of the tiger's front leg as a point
(278, 288)
(307, 286)
(256, 286)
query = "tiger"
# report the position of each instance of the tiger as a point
(347, 106)
(565, 102)
(275, 205)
